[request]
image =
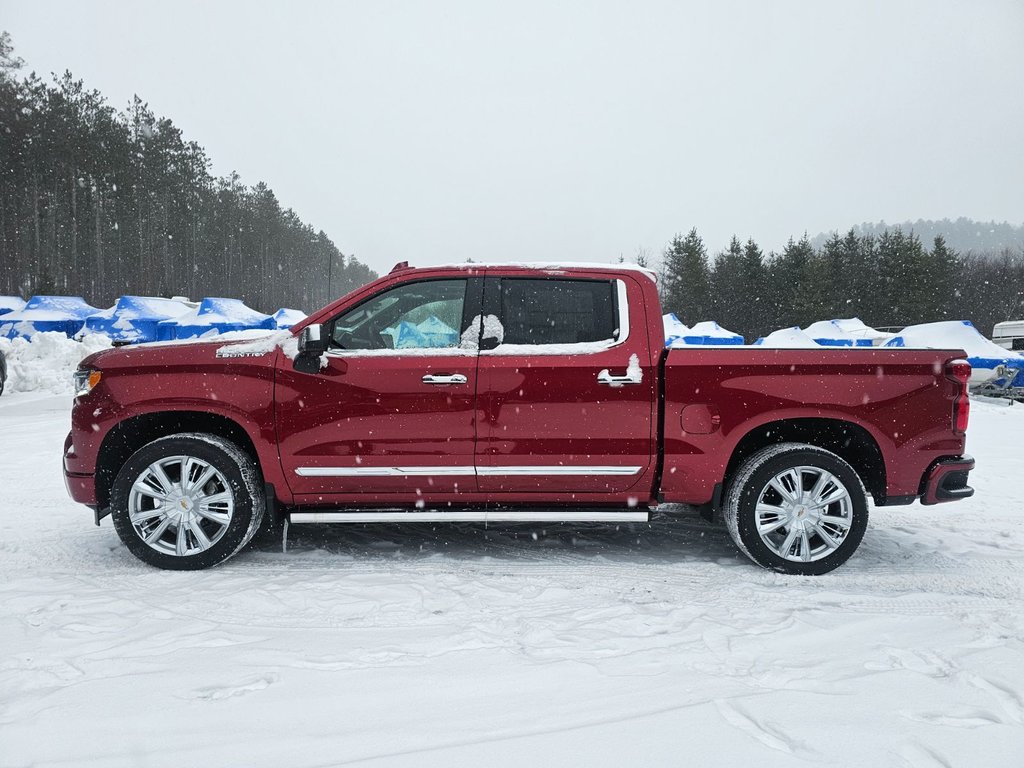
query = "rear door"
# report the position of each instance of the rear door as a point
(391, 412)
(567, 393)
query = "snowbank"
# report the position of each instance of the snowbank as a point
(45, 361)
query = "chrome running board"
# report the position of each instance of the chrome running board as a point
(473, 516)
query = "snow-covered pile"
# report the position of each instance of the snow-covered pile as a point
(790, 338)
(675, 329)
(951, 334)
(216, 314)
(848, 332)
(988, 360)
(286, 318)
(707, 332)
(10, 304)
(45, 361)
(47, 313)
(135, 318)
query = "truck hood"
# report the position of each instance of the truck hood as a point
(169, 355)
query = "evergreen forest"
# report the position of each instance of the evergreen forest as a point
(100, 203)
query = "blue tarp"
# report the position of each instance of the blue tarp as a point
(217, 315)
(64, 314)
(135, 319)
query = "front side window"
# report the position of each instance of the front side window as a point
(425, 315)
(535, 311)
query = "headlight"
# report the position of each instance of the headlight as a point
(85, 380)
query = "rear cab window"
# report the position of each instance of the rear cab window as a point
(555, 315)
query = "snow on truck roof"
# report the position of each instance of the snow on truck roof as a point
(554, 266)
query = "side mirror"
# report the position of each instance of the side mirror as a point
(313, 341)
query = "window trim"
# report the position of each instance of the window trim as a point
(492, 305)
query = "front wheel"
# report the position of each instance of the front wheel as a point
(796, 509)
(187, 501)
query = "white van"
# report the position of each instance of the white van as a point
(1009, 334)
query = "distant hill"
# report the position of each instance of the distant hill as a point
(963, 235)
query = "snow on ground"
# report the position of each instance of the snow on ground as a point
(459, 645)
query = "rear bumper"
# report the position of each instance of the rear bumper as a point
(946, 480)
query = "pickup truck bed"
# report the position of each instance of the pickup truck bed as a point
(518, 392)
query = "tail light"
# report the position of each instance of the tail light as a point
(959, 371)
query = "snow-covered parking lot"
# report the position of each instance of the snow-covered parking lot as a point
(511, 646)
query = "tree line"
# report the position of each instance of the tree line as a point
(961, 234)
(102, 203)
(889, 279)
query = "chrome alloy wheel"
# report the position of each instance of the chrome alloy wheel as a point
(180, 505)
(804, 514)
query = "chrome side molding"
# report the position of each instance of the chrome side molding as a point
(473, 516)
(532, 470)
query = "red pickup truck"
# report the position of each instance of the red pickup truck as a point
(509, 393)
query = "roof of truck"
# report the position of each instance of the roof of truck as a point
(538, 265)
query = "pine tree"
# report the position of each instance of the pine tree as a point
(685, 281)
(755, 300)
(791, 284)
(729, 297)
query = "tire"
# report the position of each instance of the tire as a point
(809, 531)
(192, 527)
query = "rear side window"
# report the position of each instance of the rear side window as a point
(535, 311)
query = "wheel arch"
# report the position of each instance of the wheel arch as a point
(130, 434)
(851, 442)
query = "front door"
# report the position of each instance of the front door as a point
(392, 409)
(567, 397)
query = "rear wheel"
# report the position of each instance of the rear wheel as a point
(187, 501)
(797, 509)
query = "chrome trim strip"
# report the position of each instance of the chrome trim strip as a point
(381, 471)
(535, 471)
(623, 313)
(546, 471)
(461, 516)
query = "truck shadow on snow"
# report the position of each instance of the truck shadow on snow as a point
(677, 536)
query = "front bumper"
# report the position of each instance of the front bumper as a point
(81, 485)
(81, 488)
(946, 480)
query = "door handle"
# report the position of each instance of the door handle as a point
(442, 379)
(609, 379)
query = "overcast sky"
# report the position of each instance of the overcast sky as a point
(437, 131)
